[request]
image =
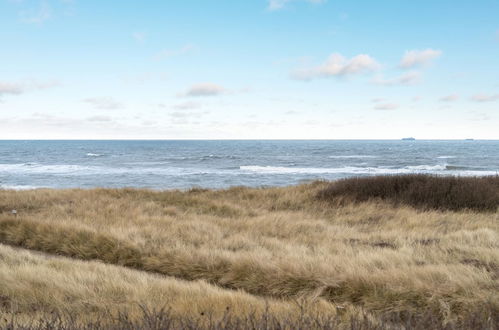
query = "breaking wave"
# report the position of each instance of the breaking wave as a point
(82, 170)
(351, 156)
(17, 187)
(430, 169)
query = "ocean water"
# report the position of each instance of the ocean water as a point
(220, 164)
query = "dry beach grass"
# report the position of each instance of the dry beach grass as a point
(246, 248)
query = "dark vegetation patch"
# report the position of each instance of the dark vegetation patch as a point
(428, 241)
(491, 267)
(383, 244)
(378, 244)
(426, 192)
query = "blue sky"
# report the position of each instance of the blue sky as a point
(256, 69)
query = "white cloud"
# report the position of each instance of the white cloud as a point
(386, 106)
(105, 103)
(20, 88)
(186, 117)
(413, 58)
(204, 89)
(485, 97)
(42, 85)
(149, 122)
(145, 77)
(479, 116)
(166, 53)
(38, 15)
(40, 11)
(99, 119)
(409, 78)
(10, 88)
(187, 106)
(183, 114)
(449, 98)
(337, 66)
(279, 4)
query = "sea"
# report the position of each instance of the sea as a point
(185, 164)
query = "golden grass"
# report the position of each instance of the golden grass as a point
(280, 243)
(34, 284)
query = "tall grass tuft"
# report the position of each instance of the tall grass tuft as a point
(420, 191)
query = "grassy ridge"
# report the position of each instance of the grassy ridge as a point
(283, 243)
(79, 244)
(276, 281)
(42, 292)
(235, 274)
(37, 286)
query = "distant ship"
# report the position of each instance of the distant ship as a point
(470, 140)
(408, 139)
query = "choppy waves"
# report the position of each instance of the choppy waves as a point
(220, 164)
(83, 170)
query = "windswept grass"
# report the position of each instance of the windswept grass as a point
(421, 191)
(43, 292)
(41, 286)
(281, 244)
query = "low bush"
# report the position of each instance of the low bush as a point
(420, 191)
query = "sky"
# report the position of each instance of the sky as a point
(253, 69)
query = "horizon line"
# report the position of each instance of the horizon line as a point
(345, 139)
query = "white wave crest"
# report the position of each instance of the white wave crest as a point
(351, 156)
(86, 170)
(427, 167)
(80, 170)
(430, 169)
(17, 187)
(34, 168)
(318, 170)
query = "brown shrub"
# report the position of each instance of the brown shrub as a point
(420, 191)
